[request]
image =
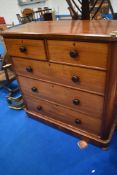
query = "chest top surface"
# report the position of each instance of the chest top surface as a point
(95, 29)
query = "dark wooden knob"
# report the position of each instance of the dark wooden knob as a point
(77, 121)
(75, 79)
(73, 53)
(29, 69)
(34, 89)
(23, 49)
(76, 101)
(39, 108)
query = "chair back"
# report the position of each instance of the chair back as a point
(89, 9)
(47, 14)
(27, 11)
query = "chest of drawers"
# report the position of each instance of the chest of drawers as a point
(67, 74)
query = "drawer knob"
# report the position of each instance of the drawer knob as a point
(23, 49)
(34, 89)
(29, 69)
(75, 78)
(73, 53)
(77, 121)
(39, 108)
(76, 101)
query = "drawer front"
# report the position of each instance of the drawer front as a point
(26, 48)
(67, 116)
(77, 100)
(78, 53)
(77, 77)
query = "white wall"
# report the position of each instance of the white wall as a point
(9, 8)
(60, 6)
(114, 4)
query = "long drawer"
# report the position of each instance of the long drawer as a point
(77, 77)
(26, 48)
(77, 100)
(67, 116)
(78, 53)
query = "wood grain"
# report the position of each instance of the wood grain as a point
(64, 115)
(89, 103)
(110, 105)
(91, 80)
(98, 30)
(90, 54)
(34, 48)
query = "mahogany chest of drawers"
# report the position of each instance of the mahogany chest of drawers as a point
(67, 72)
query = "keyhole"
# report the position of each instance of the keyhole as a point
(74, 44)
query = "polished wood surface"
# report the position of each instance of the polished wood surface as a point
(99, 30)
(87, 79)
(69, 71)
(26, 48)
(65, 115)
(110, 105)
(61, 51)
(64, 96)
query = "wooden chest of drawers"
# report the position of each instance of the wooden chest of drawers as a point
(67, 74)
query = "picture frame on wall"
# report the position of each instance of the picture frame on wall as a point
(28, 2)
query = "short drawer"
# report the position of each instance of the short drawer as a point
(26, 48)
(78, 53)
(77, 100)
(81, 78)
(64, 115)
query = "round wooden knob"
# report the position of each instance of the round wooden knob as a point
(75, 79)
(29, 69)
(76, 101)
(34, 89)
(39, 108)
(73, 53)
(23, 49)
(78, 121)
